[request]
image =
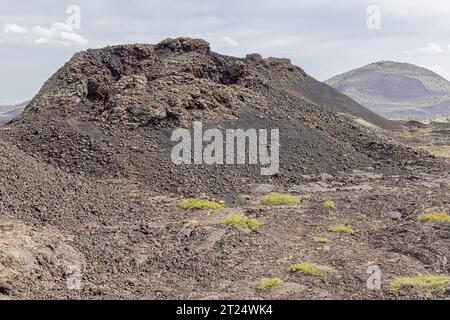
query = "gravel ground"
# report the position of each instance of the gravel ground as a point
(88, 191)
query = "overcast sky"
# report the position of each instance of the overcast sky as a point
(324, 37)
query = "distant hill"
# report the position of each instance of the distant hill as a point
(7, 113)
(396, 90)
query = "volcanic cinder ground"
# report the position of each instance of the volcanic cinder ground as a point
(87, 183)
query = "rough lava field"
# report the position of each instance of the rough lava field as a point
(86, 180)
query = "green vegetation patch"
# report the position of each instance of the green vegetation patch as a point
(277, 199)
(270, 284)
(429, 283)
(200, 204)
(241, 221)
(341, 228)
(311, 269)
(435, 217)
(320, 239)
(329, 204)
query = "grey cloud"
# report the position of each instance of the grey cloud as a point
(323, 37)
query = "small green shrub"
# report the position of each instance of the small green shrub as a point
(200, 204)
(270, 284)
(320, 239)
(435, 217)
(311, 269)
(277, 199)
(241, 221)
(329, 204)
(430, 283)
(340, 228)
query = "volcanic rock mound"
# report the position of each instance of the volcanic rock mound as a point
(144, 84)
(110, 112)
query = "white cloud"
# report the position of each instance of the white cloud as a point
(62, 26)
(14, 28)
(432, 48)
(231, 42)
(58, 33)
(43, 32)
(407, 52)
(73, 37)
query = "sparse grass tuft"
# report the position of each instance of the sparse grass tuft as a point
(340, 228)
(320, 239)
(270, 284)
(276, 199)
(311, 269)
(430, 283)
(329, 204)
(201, 204)
(435, 217)
(241, 221)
